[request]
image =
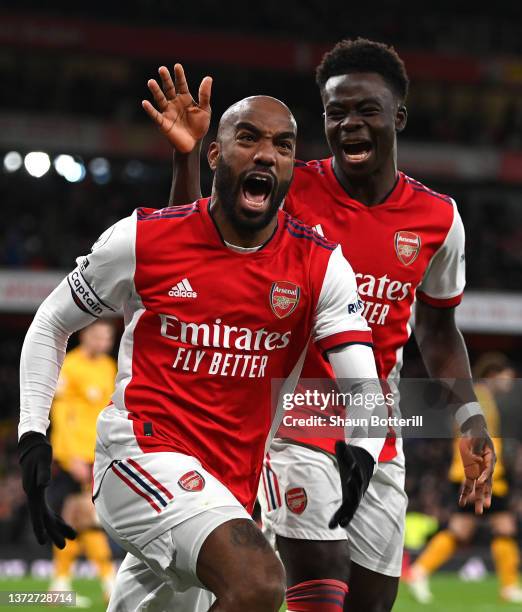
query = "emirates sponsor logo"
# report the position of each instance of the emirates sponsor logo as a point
(296, 500)
(192, 482)
(284, 298)
(382, 287)
(407, 246)
(220, 335)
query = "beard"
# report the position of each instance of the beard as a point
(228, 190)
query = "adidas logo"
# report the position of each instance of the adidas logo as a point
(183, 290)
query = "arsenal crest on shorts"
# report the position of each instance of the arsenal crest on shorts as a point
(192, 481)
(284, 298)
(407, 246)
(296, 500)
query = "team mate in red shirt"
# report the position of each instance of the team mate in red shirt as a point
(220, 297)
(405, 242)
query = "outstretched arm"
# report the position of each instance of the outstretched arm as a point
(184, 123)
(445, 356)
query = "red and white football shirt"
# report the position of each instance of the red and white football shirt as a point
(208, 328)
(409, 246)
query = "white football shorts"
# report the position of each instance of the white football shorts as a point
(160, 508)
(300, 490)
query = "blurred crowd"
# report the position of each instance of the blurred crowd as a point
(444, 26)
(486, 113)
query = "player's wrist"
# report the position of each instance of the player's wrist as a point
(187, 157)
(35, 457)
(365, 462)
(469, 416)
(29, 441)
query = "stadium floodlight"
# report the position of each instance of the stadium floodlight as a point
(68, 167)
(100, 169)
(135, 169)
(37, 163)
(12, 161)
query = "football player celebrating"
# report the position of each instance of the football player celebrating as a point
(405, 242)
(220, 298)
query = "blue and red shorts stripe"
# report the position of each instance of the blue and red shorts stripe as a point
(139, 480)
(271, 485)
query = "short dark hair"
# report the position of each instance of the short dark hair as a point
(363, 55)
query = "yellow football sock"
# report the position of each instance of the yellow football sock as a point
(96, 547)
(63, 559)
(438, 551)
(506, 557)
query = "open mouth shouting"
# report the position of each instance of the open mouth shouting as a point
(256, 190)
(358, 151)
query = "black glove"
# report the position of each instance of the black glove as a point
(355, 469)
(35, 458)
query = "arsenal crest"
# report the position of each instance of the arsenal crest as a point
(284, 298)
(407, 246)
(192, 481)
(296, 500)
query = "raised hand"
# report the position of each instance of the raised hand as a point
(183, 121)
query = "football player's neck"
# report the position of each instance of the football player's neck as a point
(237, 235)
(370, 189)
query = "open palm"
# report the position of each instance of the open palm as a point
(183, 121)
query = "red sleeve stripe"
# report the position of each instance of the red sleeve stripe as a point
(437, 302)
(346, 337)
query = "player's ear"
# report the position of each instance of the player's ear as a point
(401, 118)
(213, 155)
